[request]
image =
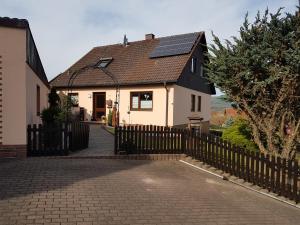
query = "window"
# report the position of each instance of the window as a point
(38, 100)
(193, 103)
(199, 103)
(140, 101)
(201, 70)
(194, 65)
(104, 62)
(74, 99)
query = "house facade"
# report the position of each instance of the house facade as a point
(23, 85)
(156, 81)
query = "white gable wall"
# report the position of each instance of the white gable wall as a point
(182, 105)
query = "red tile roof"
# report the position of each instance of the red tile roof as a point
(131, 65)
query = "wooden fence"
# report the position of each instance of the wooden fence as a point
(56, 140)
(273, 173)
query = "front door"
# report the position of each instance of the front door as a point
(99, 106)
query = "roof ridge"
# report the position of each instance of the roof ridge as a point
(14, 22)
(157, 38)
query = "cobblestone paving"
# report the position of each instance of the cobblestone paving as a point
(94, 191)
(101, 143)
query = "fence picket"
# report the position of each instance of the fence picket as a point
(247, 174)
(283, 178)
(295, 182)
(229, 157)
(289, 180)
(252, 158)
(272, 178)
(278, 169)
(267, 176)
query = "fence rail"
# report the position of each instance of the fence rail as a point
(56, 140)
(278, 175)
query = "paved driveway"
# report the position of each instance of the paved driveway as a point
(101, 143)
(95, 191)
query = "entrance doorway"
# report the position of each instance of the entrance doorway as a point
(99, 105)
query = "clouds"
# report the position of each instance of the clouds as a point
(65, 30)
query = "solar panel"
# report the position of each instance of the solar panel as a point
(174, 45)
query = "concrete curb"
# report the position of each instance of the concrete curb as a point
(240, 182)
(158, 157)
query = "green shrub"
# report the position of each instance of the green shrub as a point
(109, 118)
(50, 115)
(239, 133)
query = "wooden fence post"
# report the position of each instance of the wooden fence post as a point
(278, 170)
(67, 135)
(283, 178)
(295, 182)
(183, 141)
(116, 140)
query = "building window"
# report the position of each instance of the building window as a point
(140, 101)
(74, 99)
(199, 103)
(193, 103)
(38, 100)
(201, 70)
(103, 62)
(194, 65)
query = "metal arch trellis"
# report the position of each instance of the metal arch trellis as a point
(108, 73)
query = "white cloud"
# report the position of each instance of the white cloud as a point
(65, 30)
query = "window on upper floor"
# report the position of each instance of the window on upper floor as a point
(38, 100)
(201, 70)
(194, 65)
(141, 101)
(103, 62)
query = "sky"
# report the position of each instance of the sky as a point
(65, 30)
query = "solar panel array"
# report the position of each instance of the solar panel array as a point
(174, 45)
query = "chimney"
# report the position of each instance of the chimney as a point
(149, 36)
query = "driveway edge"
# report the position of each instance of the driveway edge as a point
(240, 182)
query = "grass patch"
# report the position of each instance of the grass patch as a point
(110, 129)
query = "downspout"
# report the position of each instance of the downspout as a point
(167, 103)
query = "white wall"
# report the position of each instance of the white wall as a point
(182, 105)
(154, 117)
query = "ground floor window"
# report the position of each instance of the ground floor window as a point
(193, 103)
(199, 103)
(74, 99)
(140, 101)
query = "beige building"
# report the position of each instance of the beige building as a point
(156, 81)
(23, 85)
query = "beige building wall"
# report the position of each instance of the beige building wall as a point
(182, 105)
(155, 117)
(32, 81)
(13, 52)
(18, 88)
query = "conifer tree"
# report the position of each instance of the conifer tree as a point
(260, 71)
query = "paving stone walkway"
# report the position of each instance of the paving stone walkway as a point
(101, 143)
(97, 191)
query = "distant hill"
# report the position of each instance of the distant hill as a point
(219, 104)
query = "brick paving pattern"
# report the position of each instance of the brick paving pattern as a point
(98, 191)
(101, 143)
